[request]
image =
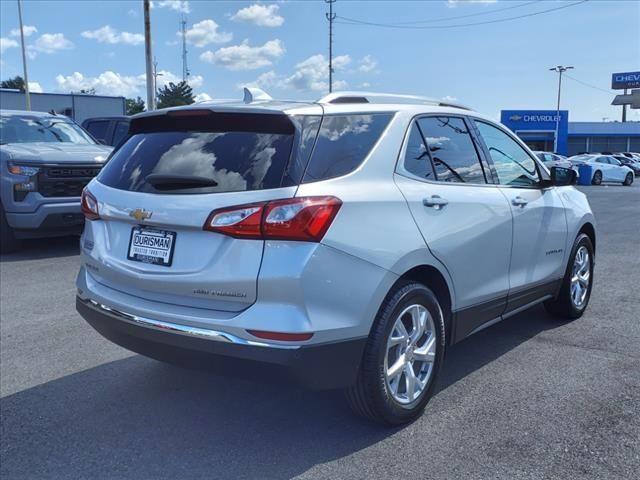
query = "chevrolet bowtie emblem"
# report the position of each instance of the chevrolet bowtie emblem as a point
(140, 215)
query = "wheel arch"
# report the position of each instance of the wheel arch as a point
(589, 230)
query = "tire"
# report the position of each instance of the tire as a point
(597, 178)
(8, 241)
(628, 179)
(564, 305)
(373, 396)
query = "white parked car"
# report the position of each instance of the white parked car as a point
(605, 168)
(555, 160)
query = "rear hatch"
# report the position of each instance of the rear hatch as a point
(160, 186)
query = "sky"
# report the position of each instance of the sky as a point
(460, 50)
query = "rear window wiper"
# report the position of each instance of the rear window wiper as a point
(178, 182)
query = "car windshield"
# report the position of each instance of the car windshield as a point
(25, 129)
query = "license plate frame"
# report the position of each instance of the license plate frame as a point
(145, 253)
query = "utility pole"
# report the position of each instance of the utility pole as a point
(27, 95)
(560, 69)
(151, 98)
(331, 17)
(155, 80)
(185, 68)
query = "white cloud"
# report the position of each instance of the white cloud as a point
(244, 56)
(368, 64)
(49, 43)
(6, 43)
(28, 31)
(449, 98)
(261, 15)
(113, 83)
(364, 85)
(34, 87)
(181, 6)
(455, 3)
(132, 12)
(109, 35)
(205, 32)
(311, 74)
(202, 97)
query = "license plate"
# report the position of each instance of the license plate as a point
(153, 246)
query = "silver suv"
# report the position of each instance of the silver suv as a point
(346, 243)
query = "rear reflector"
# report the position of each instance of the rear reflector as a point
(89, 205)
(285, 337)
(304, 219)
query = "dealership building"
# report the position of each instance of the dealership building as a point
(537, 128)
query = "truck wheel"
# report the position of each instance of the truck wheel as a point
(8, 241)
(573, 298)
(597, 178)
(402, 357)
(628, 179)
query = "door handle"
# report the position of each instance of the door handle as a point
(519, 202)
(435, 201)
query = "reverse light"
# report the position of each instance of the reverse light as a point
(89, 205)
(282, 336)
(304, 219)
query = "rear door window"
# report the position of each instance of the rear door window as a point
(99, 129)
(416, 158)
(454, 155)
(119, 132)
(344, 141)
(227, 152)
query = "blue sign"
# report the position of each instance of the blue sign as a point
(531, 124)
(620, 81)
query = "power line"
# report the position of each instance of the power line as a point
(609, 92)
(433, 27)
(457, 17)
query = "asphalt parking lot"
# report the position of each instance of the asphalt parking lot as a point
(528, 398)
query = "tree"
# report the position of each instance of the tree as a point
(15, 83)
(173, 95)
(88, 91)
(134, 106)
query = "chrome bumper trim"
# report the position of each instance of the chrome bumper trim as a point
(178, 329)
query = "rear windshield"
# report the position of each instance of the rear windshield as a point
(222, 156)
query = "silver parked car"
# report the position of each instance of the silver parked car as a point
(346, 242)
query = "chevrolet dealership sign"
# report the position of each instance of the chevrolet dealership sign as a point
(620, 81)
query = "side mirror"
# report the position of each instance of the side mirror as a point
(561, 177)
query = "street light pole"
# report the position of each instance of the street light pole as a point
(560, 69)
(27, 94)
(151, 98)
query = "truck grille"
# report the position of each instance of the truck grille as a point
(64, 180)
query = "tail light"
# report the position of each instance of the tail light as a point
(304, 219)
(89, 205)
(281, 336)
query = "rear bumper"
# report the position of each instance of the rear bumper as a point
(319, 366)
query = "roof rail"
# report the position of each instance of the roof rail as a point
(371, 97)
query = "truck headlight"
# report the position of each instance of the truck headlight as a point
(25, 170)
(20, 190)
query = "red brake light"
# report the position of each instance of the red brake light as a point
(190, 113)
(285, 337)
(303, 219)
(89, 205)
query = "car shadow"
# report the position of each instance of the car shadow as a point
(39, 248)
(137, 418)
